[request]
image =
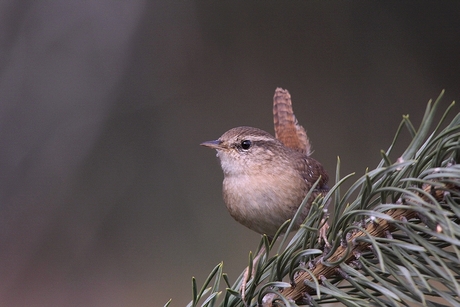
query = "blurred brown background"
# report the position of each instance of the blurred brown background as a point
(106, 199)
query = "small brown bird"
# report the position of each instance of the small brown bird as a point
(266, 178)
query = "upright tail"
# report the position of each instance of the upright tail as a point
(287, 129)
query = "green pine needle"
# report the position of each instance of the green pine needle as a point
(395, 235)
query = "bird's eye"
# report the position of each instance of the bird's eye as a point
(246, 144)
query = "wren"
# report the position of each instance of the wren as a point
(265, 177)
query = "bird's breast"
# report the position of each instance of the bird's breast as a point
(263, 202)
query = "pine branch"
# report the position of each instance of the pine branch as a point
(395, 235)
(355, 247)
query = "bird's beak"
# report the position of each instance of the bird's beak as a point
(216, 144)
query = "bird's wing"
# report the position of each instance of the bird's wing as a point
(287, 129)
(311, 170)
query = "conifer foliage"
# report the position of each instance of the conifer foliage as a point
(394, 235)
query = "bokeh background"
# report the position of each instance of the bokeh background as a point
(106, 198)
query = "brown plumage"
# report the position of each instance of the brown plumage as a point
(266, 178)
(287, 128)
